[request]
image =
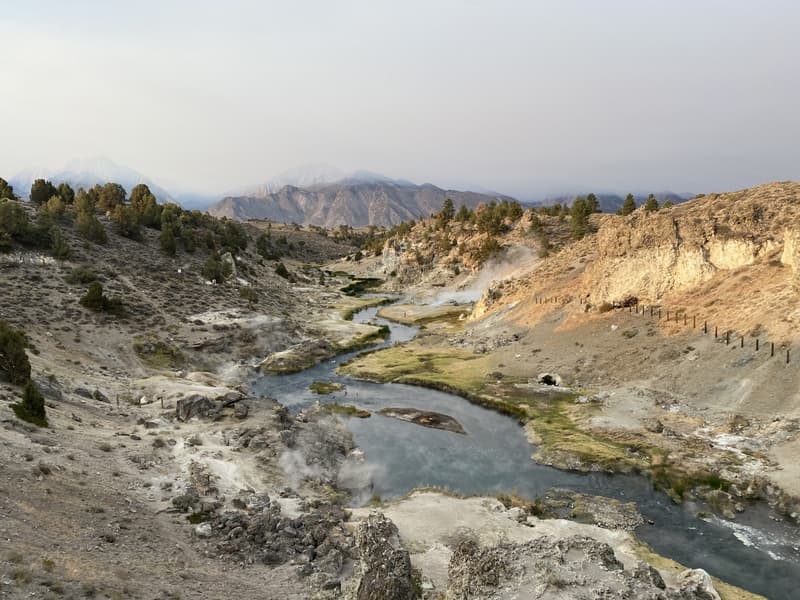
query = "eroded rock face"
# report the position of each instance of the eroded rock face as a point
(384, 569)
(662, 254)
(653, 254)
(571, 568)
(791, 252)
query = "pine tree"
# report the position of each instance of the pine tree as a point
(628, 206)
(31, 408)
(167, 239)
(579, 218)
(652, 204)
(13, 359)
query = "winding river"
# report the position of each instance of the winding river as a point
(759, 552)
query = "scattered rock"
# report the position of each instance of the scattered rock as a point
(241, 410)
(653, 425)
(194, 405)
(203, 530)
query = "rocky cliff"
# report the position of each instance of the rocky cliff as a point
(651, 255)
(732, 257)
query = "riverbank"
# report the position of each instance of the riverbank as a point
(626, 427)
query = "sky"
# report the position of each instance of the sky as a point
(523, 97)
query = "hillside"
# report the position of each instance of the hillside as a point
(119, 465)
(350, 202)
(730, 259)
(682, 320)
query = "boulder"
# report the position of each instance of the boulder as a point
(100, 397)
(384, 568)
(195, 405)
(241, 410)
(696, 584)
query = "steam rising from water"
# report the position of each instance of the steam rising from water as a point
(512, 263)
(296, 467)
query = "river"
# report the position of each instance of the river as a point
(759, 552)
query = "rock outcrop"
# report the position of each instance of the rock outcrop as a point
(384, 568)
(574, 567)
(649, 255)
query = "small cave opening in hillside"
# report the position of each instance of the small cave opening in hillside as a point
(549, 379)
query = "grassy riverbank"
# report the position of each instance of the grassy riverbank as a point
(554, 419)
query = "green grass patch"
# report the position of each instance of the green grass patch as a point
(359, 285)
(677, 482)
(412, 314)
(365, 340)
(347, 410)
(199, 517)
(80, 276)
(158, 354)
(325, 387)
(349, 312)
(662, 563)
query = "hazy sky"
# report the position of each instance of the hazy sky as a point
(523, 97)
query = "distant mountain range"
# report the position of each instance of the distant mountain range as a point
(316, 194)
(358, 199)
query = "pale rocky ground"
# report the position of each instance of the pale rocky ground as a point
(86, 505)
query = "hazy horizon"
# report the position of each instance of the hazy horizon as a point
(521, 98)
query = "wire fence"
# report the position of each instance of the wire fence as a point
(681, 317)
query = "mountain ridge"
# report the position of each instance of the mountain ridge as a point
(358, 204)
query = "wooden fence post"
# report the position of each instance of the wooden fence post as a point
(705, 326)
(716, 331)
(756, 344)
(727, 338)
(772, 349)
